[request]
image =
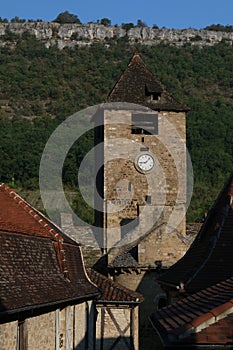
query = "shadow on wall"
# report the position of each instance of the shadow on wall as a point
(2, 307)
(119, 343)
(154, 299)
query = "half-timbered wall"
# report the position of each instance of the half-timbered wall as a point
(117, 328)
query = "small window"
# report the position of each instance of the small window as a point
(148, 199)
(145, 123)
(155, 96)
(152, 95)
(140, 131)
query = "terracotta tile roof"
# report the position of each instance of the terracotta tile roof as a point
(220, 333)
(112, 291)
(39, 264)
(137, 85)
(17, 215)
(209, 259)
(192, 318)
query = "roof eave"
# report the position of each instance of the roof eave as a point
(119, 302)
(79, 300)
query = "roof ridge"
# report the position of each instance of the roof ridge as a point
(191, 269)
(194, 324)
(133, 295)
(31, 211)
(137, 58)
(216, 232)
(125, 248)
(206, 319)
(43, 222)
(137, 84)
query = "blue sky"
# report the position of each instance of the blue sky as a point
(164, 13)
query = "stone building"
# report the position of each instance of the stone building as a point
(143, 180)
(47, 299)
(141, 130)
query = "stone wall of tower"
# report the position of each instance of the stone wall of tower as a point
(126, 190)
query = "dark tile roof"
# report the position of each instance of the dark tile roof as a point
(209, 259)
(39, 264)
(193, 318)
(125, 256)
(112, 291)
(124, 259)
(137, 84)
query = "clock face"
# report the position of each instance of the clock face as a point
(145, 162)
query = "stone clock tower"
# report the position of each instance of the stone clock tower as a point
(141, 167)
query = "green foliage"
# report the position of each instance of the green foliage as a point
(3, 20)
(66, 17)
(127, 26)
(105, 22)
(140, 23)
(219, 28)
(41, 87)
(196, 38)
(16, 19)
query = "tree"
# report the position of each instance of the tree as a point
(219, 28)
(66, 17)
(3, 20)
(16, 19)
(127, 26)
(105, 22)
(140, 23)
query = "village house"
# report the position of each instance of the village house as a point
(46, 296)
(47, 299)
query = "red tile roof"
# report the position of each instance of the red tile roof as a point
(137, 84)
(220, 333)
(209, 259)
(17, 215)
(39, 264)
(188, 320)
(112, 291)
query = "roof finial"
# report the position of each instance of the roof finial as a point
(136, 51)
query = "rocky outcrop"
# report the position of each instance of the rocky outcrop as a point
(69, 35)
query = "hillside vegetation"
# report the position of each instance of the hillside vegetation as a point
(40, 87)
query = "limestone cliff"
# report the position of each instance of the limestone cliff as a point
(69, 35)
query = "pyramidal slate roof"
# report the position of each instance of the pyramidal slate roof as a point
(139, 86)
(39, 265)
(209, 259)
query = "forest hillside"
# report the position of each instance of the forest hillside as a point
(41, 86)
